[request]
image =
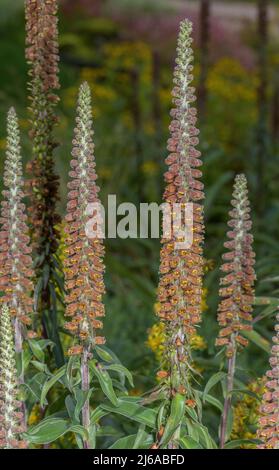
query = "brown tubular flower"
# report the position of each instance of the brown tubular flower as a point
(83, 265)
(180, 285)
(15, 259)
(235, 308)
(84, 254)
(237, 292)
(42, 57)
(10, 414)
(268, 430)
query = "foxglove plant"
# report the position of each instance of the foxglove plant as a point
(42, 57)
(268, 430)
(237, 291)
(84, 255)
(180, 285)
(10, 414)
(15, 259)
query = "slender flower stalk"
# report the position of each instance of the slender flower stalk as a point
(10, 414)
(180, 285)
(84, 255)
(268, 430)
(42, 57)
(15, 259)
(237, 292)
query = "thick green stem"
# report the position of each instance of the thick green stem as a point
(19, 351)
(85, 389)
(228, 399)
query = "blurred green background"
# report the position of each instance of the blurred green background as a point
(125, 49)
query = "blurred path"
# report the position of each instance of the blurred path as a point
(233, 13)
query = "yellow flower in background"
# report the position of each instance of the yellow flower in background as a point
(156, 334)
(123, 58)
(62, 246)
(149, 128)
(127, 119)
(150, 168)
(135, 392)
(229, 80)
(35, 415)
(92, 74)
(246, 414)
(102, 93)
(165, 96)
(2, 144)
(198, 343)
(105, 172)
(209, 265)
(23, 123)
(156, 339)
(69, 97)
(128, 53)
(204, 305)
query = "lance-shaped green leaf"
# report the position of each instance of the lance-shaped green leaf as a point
(133, 411)
(105, 382)
(175, 418)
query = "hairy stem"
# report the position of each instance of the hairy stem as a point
(85, 388)
(228, 399)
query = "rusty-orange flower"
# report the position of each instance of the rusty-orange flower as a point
(180, 285)
(237, 292)
(84, 255)
(268, 430)
(15, 252)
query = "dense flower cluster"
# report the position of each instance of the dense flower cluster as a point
(83, 264)
(42, 56)
(41, 41)
(180, 286)
(234, 312)
(15, 259)
(269, 421)
(246, 413)
(10, 416)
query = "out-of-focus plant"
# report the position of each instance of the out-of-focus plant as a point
(234, 312)
(11, 426)
(15, 260)
(42, 57)
(205, 30)
(268, 423)
(246, 413)
(228, 82)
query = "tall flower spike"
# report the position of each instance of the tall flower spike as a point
(234, 312)
(43, 185)
(180, 285)
(235, 308)
(84, 266)
(10, 416)
(84, 255)
(15, 260)
(269, 421)
(42, 56)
